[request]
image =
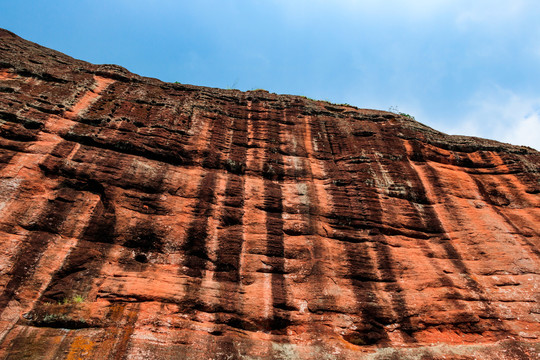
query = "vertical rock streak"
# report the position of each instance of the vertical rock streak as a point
(350, 215)
(50, 221)
(195, 246)
(273, 203)
(268, 130)
(429, 179)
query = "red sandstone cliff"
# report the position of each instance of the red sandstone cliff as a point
(148, 220)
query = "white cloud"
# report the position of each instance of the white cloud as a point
(464, 11)
(438, 52)
(502, 115)
(526, 132)
(492, 13)
(374, 9)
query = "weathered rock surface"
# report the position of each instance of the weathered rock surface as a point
(148, 220)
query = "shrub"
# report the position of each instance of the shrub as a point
(75, 299)
(395, 110)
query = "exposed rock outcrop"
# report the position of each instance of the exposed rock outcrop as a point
(147, 220)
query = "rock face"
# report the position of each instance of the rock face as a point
(147, 220)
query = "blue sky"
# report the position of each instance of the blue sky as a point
(462, 67)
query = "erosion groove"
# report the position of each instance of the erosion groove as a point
(141, 219)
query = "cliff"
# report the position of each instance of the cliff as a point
(148, 220)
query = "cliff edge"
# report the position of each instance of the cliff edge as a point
(148, 220)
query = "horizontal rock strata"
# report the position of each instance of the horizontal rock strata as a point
(141, 219)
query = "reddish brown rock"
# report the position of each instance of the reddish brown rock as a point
(148, 220)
